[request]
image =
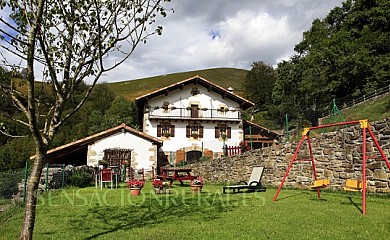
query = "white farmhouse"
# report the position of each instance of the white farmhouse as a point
(193, 117)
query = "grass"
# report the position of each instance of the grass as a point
(374, 110)
(91, 213)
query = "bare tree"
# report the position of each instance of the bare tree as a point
(72, 40)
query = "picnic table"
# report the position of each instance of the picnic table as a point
(176, 174)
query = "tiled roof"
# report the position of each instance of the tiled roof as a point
(260, 127)
(96, 137)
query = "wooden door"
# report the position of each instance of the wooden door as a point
(194, 111)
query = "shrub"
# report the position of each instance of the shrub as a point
(9, 183)
(80, 178)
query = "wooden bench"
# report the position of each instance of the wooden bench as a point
(320, 183)
(354, 185)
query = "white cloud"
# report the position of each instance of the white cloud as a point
(244, 31)
(247, 31)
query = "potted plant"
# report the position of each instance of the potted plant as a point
(104, 163)
(194, 135)
(160, 186)
(197, 185)
(135, 186)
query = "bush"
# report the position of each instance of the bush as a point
(9, 183)
(81, 178)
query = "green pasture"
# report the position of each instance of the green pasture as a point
(89, 213)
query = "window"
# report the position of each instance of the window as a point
(223, 130)
(165, 130)
(194, 131)
(194, 91)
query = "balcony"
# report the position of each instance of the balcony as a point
(191, 113)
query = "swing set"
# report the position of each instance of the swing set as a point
(351, 185)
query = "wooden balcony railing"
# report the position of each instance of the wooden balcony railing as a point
(173, 113)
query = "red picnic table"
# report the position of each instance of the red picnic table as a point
(178, 174)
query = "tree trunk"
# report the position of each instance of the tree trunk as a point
(31, 196)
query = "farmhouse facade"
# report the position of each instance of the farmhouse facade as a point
(193, 117)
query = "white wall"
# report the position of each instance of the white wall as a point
(144, 154)
(205, 99)
(209, 141)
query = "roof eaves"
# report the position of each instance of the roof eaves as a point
(266, 129)
(202, 79)
(100, 135)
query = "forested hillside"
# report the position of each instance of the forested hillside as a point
(347, 53)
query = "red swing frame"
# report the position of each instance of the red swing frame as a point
(365, 125)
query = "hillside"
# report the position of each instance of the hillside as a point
(224, 77)
(374, 110)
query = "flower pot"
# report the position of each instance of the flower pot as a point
(196, 188)
(162, 191)
(135, 191)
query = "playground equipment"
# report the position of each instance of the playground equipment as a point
(351, 185)
(320, 183)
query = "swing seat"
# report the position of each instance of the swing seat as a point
(321, 183)
(353, 185)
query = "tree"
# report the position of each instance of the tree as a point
(259, 83)
(121, 111)
(72, 40)
(345, 53)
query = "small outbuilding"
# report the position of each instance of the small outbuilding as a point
(259, 136)
(116, 146)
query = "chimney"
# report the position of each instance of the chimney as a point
(230, 89)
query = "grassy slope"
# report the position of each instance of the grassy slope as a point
(225, 77)
(373, 110)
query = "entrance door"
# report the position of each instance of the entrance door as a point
(193, 156)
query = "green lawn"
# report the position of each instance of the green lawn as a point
(91, 213)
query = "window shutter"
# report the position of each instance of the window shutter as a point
(158, 130)
(216, 131)
(188, 131)
(229, 132)
(172, 130)
(201, 131)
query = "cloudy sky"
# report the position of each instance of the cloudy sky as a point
(203, 34)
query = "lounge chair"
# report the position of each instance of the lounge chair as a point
(254, 183)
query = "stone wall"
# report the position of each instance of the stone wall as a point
(338, 156)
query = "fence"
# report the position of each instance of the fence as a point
(235, 150)
(350, 100)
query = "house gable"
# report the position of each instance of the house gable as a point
(79, 147)
(244, 103)
(195, 92)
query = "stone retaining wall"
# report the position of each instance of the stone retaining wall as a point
(338, 156)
